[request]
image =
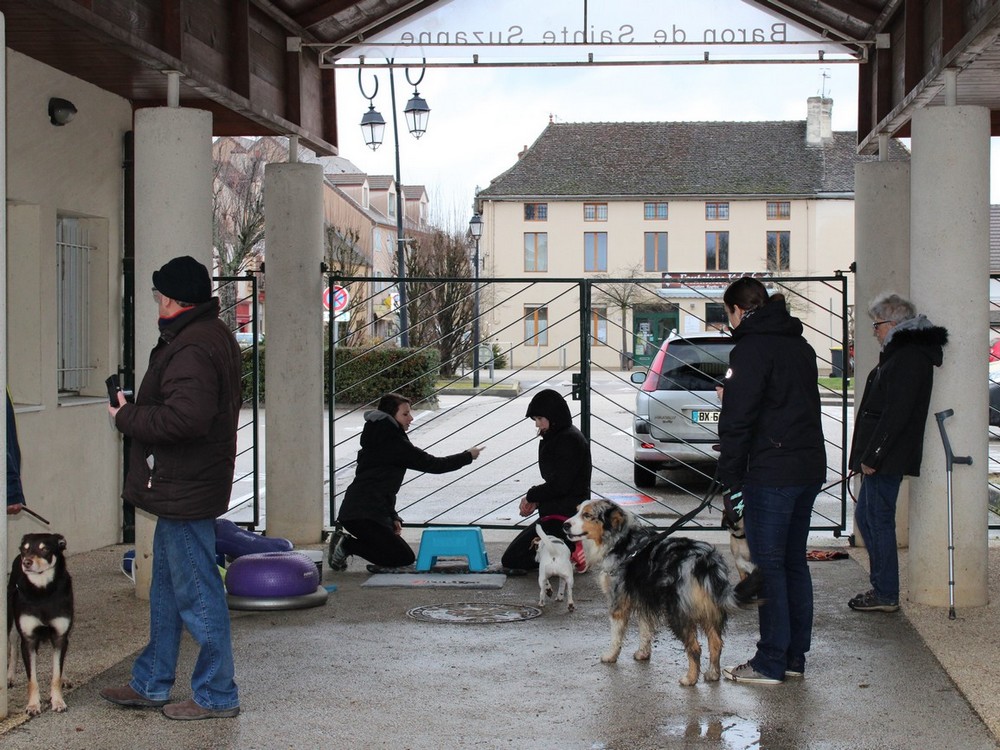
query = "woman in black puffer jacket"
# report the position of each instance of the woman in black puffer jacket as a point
(772, 450)
(368, 513)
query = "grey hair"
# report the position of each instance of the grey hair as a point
(892, 308)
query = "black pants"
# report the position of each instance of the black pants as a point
(521, 555)
(377, 544)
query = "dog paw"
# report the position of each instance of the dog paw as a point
(59, 706)
(609, 658)
(642, 654)
(572, 607)
(712, 675)
(33, 709)
(67, 684)
(686, 680)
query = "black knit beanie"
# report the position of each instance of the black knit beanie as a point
(184, 280)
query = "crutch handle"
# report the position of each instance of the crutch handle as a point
(950, 457)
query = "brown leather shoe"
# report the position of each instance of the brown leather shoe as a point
(190, 711)
(126, 696)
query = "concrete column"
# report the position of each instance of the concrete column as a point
(173, 208)
(293, 214)
(882, 253)
(949, 230)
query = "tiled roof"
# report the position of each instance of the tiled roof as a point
(380, 181)
(345, 178)
(682, 158)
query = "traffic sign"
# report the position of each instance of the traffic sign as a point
(337, 297)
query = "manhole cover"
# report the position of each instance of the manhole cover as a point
(474, 612)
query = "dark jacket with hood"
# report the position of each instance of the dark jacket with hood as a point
(889, 428)
(15, 491)
(386, 453)
(563, 458)
(770, 428)
(184, 419)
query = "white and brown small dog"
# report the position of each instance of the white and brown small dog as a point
(40, 605)
(676, 580)
(553, 558)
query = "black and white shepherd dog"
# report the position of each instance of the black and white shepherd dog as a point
(676, 580)
(40, 606)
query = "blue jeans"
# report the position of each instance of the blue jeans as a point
(776, 520)
(187, 592)
(875, 518)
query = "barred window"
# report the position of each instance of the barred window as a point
(779, 209)
(652, 211)
(73, 254)
(536, 211)
(715, 211)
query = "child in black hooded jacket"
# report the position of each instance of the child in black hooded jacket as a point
(565, 465)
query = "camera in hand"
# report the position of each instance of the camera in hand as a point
(114, 386)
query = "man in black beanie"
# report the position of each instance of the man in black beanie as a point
(183, 427)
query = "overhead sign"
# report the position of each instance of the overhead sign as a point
(336, 297)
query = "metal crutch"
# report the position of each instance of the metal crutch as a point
(950, 459)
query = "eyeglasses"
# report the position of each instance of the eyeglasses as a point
(156, 296)
(878, 323)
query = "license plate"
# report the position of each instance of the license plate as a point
(703, 417)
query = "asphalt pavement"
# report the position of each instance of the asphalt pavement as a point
(360, 673)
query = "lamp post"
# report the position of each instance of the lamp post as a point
(476, 230)
(373, 128)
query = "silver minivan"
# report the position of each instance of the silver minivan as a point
(677, 407)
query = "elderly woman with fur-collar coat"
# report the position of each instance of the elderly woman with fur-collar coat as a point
(889, 435)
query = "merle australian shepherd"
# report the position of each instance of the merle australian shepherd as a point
(676, 580)
(40, 605)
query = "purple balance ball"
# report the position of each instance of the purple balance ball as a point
(271, 575)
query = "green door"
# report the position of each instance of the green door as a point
(649, 331)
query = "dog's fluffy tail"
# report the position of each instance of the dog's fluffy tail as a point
(747, 592)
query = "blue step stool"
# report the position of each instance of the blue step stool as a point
(448, 541)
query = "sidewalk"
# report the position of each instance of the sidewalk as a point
(358, 673)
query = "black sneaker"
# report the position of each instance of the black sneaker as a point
(869, 602)
(336, 558)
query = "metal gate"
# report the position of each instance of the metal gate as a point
(577, 336)
(239, 299)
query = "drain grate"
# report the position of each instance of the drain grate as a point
(474, 613)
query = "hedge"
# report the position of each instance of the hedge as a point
(365, 375)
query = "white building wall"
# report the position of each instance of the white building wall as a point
(71, 453)
(822, 241)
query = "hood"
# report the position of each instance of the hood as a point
(919, 332)
(376, 415)
(549, 404)
(772, 319)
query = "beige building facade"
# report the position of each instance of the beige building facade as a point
(700, 204)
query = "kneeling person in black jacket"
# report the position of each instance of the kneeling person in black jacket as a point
(368, 515)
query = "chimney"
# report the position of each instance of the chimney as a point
(819, 125)
(521, 153)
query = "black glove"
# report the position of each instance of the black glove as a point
(732, 506)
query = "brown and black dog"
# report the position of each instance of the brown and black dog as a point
(676, 580)
(40, 606)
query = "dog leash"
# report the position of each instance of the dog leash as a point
(30, 512)
(710, 495)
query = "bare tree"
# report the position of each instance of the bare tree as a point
(345, 258)
(238, 210)
(440, 313)
(623, 293)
